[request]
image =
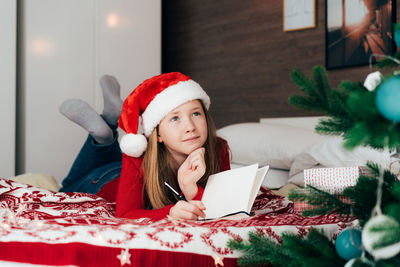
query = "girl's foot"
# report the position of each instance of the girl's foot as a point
(84, 115)
(112, 99)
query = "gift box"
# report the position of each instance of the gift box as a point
(333, 180)
(300, 206)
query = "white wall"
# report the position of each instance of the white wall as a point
(8, 29)
(68, 46)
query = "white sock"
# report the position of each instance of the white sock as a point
(112, 99)
(84, 115)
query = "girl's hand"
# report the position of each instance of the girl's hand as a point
(191, 170)
(191, 210)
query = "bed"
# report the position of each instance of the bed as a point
(290, 145)
(43, 227)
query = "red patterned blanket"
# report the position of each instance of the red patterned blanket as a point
(42, 227)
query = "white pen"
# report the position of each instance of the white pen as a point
(181, 197)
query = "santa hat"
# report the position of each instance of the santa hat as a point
(152, 100)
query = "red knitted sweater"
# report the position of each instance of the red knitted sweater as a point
(127, 190)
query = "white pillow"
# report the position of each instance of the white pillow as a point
(39, 180)
(267, 144)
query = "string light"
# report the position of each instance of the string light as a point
(218, 260)
(125, 257)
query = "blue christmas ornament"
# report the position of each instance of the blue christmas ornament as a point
(348, 244)
(387, 99)
(397, 35)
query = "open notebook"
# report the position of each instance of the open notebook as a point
(232, 192)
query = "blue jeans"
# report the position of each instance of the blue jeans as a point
(94, 166)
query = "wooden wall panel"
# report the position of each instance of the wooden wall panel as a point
(239, 53)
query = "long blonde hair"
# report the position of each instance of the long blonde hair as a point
(158, 167)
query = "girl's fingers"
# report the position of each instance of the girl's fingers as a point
(198, 152)
(195, 164)
(192, 169)
(196, 160)
(198, 204)
(187, 215)
(188, 210)
(199, 208)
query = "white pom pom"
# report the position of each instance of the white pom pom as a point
(133, 144)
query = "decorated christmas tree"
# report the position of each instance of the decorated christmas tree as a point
(364, 114)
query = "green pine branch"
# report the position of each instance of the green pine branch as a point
(322, 202)
(260, 250)
(392, 262)
(322, 84)
(351, 110)
(318, 96)
(316, 91)
(393, 208)
(352, 113)
(313, 250)
(363, 194)
(362, 197)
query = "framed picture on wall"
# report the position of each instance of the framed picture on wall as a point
(357, 31)
(299, 15)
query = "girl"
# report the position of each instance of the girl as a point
(178, 146)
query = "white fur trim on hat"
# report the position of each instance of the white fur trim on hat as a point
(170, 98)
(133, 144)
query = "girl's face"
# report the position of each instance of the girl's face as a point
(183, 130)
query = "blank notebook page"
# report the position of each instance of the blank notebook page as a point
(229, 191)
(256, 186)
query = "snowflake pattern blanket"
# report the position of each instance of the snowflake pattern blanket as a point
(42, 227)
